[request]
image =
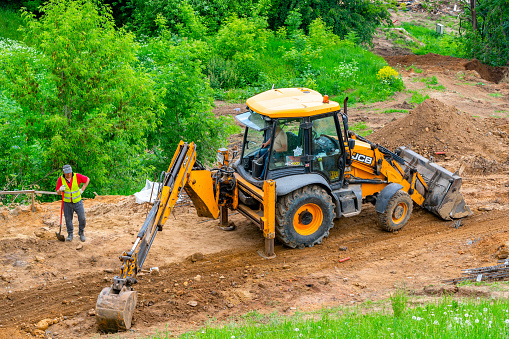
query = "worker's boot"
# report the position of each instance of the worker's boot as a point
(69, 238)
(82, 237)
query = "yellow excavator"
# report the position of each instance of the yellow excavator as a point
(292, 186)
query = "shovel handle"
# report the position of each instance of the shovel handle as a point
(61, 209)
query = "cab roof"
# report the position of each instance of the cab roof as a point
(290, 103)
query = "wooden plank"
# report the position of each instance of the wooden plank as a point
(27, 191)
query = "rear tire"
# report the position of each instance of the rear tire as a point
(304, 217)
(397, 212)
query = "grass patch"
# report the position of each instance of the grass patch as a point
(445, 44)
(10, 21)
(417, 98)
(361, 128)
(437, 87)
(414, 68)
(496, 95)
(394, 110)
(444, 318)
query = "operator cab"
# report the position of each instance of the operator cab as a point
(307, 137)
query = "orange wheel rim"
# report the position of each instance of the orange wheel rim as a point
(399, 213)
(308, 219)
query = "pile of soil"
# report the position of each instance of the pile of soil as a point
(435, 62)
(436, 127)
(490, 73)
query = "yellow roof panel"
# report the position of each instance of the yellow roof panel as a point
(290, 102)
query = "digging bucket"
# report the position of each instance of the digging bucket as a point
(443, 197)
(114, 311)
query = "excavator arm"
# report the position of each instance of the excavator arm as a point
(115, 304)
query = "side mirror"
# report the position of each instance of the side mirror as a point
(351, 143)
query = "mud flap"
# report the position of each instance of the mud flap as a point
(114, 312)
(442, 197)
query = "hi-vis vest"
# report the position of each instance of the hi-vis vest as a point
(73, 191)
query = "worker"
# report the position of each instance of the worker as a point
(69, 185)
(280, 145)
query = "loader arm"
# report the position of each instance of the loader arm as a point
(115, 304)
(428, 184)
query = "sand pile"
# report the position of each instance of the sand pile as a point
(436, 127)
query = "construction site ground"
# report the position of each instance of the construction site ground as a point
(209, 276)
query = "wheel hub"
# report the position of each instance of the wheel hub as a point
(398, 212)
(305, 218)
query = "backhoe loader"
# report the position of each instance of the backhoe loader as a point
(319, 171)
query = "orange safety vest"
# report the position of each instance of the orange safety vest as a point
(73, 191)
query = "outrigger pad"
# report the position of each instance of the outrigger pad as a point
(114, 311)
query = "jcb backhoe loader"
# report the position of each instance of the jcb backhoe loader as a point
(293, 187)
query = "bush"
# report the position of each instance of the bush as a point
(76, 98)
(177, 69)
(490, 41)
(361, 16)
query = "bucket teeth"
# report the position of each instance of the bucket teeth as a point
(114, 311)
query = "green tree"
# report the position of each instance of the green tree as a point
(486, 27)
(361, 16)
(176, 66)
(81, 100)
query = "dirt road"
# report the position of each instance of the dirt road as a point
(43, 279)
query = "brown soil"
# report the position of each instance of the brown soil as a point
(434, 129)
(44, 279)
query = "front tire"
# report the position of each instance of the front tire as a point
(304, 217)
(397, 212)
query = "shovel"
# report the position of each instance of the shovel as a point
(60, 236)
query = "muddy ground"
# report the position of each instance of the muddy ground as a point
(42, 279)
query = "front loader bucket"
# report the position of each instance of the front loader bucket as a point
(114, 311)
(443, 196)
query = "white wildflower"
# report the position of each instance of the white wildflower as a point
(296, 329)
(485, 309)
(506, 321)
(477, 321)
(436, 322)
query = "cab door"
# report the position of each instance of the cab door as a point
(327, 149)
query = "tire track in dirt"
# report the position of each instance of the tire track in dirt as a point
(230, 282)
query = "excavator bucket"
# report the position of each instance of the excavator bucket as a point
(442, 196)
(114, 311)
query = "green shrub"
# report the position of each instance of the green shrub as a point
(69, 96)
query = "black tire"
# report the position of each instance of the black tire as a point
(311, 224)
(397, 212)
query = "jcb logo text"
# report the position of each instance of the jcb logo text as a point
(362, 158)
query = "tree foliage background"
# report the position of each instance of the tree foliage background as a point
(487, 39)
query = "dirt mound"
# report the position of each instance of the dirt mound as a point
(429, 61)
(436, 127)
(436, 62)
(490, 73)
